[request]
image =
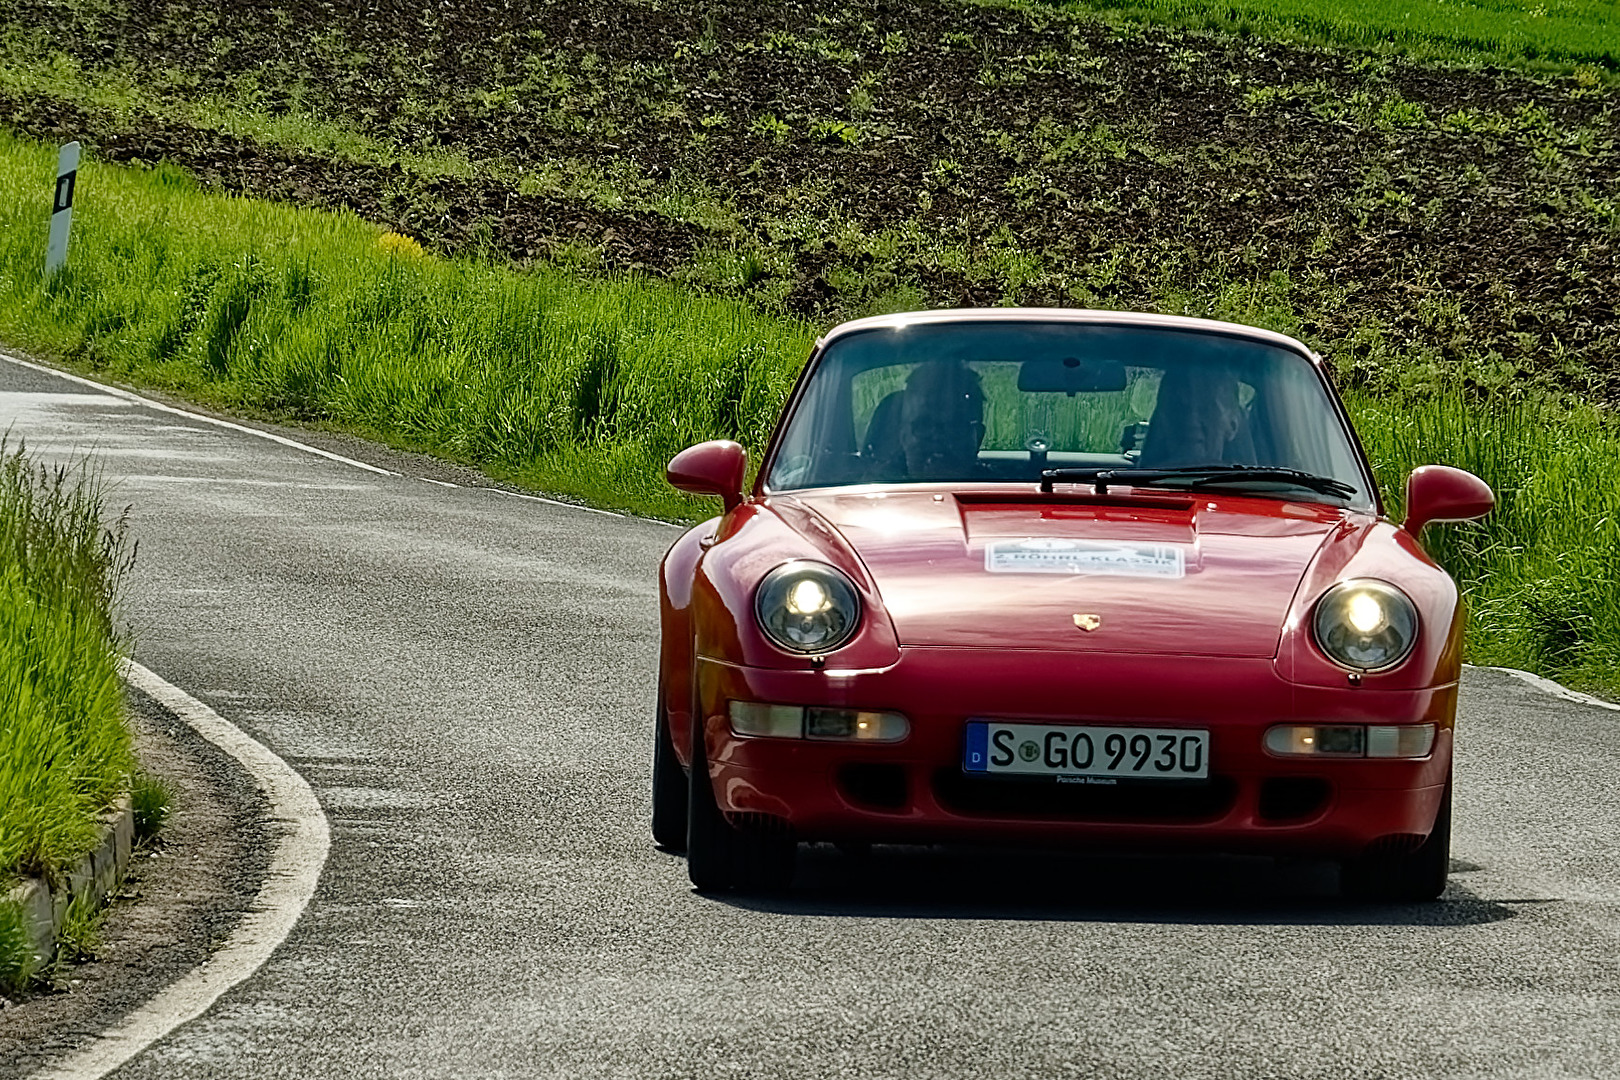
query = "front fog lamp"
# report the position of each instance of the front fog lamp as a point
(1365, 624)
(1299, 740)
(850, 724)
(798, 722)
(1351, 740)
(807, 607)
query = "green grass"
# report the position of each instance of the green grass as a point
(151, 803)
(587, 389)
(16, 950)
(1542, 572)
(65, 752)
(1558, 34)
(247, 305)
(24, 72)
(80, 935)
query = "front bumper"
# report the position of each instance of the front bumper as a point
(916, 792)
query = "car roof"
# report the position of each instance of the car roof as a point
(1075, 315)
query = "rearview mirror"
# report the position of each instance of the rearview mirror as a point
(711, 468)
(1441, 493)
(1070, 375)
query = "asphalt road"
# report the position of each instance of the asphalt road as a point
(466, 680)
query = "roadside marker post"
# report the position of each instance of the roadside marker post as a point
(67, 173)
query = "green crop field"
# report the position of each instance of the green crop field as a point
(1557, 33)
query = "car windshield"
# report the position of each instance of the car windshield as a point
(1006, 401)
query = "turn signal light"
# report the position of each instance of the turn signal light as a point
(1408, 741)
(798, 722)
(1351, 740)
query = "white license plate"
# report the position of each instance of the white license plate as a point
(1072, 754)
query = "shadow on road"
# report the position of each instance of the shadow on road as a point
(936, 883)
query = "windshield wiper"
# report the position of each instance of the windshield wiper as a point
(1196, 476)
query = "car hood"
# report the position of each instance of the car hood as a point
(1161, 574)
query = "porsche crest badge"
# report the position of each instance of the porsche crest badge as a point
(1087, 621)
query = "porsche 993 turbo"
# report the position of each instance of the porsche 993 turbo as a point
(1072, 578)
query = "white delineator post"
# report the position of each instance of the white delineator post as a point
(67, 172)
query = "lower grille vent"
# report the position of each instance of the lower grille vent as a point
(874, 786)
(1293, 798)
(759, 824)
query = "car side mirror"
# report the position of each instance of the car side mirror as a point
(711, 468)
(1441, 493)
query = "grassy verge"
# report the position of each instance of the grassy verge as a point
(321, 318)
(1542, 573)
(588, 388)
(65, 752)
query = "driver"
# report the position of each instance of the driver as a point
(1197, 416)
(942, 421)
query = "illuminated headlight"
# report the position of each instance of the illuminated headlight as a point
(1351, 740)
(798, 722)
(807, 607)
(1365, 624)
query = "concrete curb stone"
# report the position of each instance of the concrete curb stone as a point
(96, 875)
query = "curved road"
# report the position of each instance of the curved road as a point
(465, 678)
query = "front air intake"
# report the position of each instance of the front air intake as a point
(874, 786)
(1293, 798)
(757, 824)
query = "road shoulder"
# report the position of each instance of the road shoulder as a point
(182, 899)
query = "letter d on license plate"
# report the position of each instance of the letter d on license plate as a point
(1062, 751)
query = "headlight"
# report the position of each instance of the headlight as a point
(1365, 624)
(807, 607)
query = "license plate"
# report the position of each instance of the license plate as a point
(1086, 755)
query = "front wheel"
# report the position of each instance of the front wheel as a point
(720, 857)
(1417, 875)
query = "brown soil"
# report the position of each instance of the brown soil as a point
(183, 897)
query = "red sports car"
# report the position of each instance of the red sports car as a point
(1059, 577)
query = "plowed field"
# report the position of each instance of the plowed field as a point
(1409, 220)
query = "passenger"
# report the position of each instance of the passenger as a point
(942, 421)
(1198, 416)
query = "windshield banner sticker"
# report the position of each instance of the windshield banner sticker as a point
(1039, 556)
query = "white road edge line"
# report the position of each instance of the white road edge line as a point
(1549, 687)
(295, 867)
(559, 502)
(136, 399)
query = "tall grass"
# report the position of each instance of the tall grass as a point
(1542, 573)
(320, 318)
(65, 752)
(589, 388)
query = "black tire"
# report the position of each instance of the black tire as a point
(720, 858)
(1419, 875)
(669, 786)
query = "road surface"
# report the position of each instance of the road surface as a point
(465, 677)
